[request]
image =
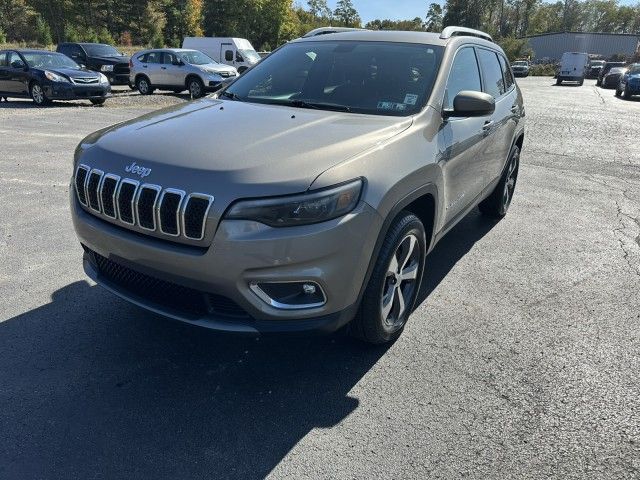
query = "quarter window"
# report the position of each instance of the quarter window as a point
(464, 75)
(508, 77)
(491, 73)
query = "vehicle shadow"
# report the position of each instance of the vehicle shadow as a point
(92, 387)
(21, 104)
(455, 245)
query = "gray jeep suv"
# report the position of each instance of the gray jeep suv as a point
(307, 195)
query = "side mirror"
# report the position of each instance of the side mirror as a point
(469, 103)
(18, 64)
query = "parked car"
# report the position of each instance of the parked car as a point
(178, 69)
(594, 68)
(606, 68)
(99, 57)
(45, 76)
(572, 67)
(520, 68)
(612, 79)
(629, 83)
(308, 194)
(236, 52)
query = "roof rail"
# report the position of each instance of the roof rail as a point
(327, 30)
(449, 32)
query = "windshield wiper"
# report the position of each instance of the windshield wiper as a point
(231, 95)
(320, 105)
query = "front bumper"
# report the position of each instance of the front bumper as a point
(68, 91)
(333, 254)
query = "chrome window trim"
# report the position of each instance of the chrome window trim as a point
(182, 194)
(136, 184)
(101, 174)
(203, 196)
(157, 189)
(82, 166)
(255, 288)
(113, 195)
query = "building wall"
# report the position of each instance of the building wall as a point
(553, 45)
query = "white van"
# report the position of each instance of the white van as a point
(237, 52)
(573, 67)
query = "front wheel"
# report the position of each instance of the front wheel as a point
(195, 87)
(627, 92)
(38, 96)
(558, 82)
(392, 290)
(618, 92)
(498, 202)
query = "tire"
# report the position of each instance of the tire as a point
(37, 95)
(581, 82)
(558, 82)
(381, 316)
(98, 101)
(195, 87)
(497, 203)
(618, 92)
(144, 86)
(627, 93)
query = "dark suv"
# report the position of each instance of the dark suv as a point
(308, 194)
(101, 58)
(606, 68)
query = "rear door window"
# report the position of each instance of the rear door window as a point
(491, 73)
(154, 57)
(3, 59)
(506, 71)
(169, 58)
(464, 75)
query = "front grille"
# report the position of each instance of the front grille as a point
(121, 69)
(168, 211)
(86, 80)
(166, 294)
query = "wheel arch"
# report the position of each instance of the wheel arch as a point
(191, 76)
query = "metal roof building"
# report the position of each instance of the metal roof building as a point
(553, 45)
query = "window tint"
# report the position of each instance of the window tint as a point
(74, 51)
(228, 56)
(169, 58)
(491, 73)
(464, 75)
(154, 57)
(508, 76)
(3, 59)
(142, 58)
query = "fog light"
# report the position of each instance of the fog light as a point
(290, 295)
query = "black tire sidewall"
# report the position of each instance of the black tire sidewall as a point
(199, 82)
(139, 81)
(44, 98)
(370, 325)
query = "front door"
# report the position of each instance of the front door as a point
(15, 75)
(171, 74)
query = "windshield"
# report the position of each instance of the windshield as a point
(99, 50)
(195, 57)
(634, 69)
(597, 63)
(49, 60)
(520, 64)
(250, 55)
(362, 77)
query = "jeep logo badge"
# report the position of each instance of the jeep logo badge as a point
(138, 170)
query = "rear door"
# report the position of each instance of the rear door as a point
(499, 130)
(16, 78)
(461, 139)
(151, 68)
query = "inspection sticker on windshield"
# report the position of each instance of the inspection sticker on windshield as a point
(397, 107)
(410, 98)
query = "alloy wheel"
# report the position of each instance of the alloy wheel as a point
(510, 183)
(37, 94)
(399, 287)
(143, 86)
(194, 89)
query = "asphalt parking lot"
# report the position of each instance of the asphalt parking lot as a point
(523, 360)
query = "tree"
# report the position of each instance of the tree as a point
(43, 32)
(434, 18)
(346, 14)
(319, 9)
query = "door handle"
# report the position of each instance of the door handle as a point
(487, 125)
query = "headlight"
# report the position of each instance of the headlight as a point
(54, 77)
(103, 79)
(106, 68)
(305, 209)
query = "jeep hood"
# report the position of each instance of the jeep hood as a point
(234, 149)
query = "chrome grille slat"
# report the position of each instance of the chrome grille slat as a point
(145, 213)
(202, 203)
(93, 189)
(167, 211)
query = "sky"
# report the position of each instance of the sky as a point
(399, 9)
